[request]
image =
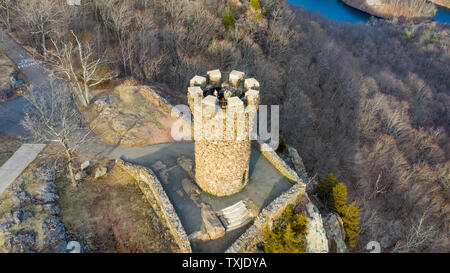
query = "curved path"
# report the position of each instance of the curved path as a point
(265, 182)
(12, 112)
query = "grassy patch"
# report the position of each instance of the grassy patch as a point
(8, 146)
(32, 224)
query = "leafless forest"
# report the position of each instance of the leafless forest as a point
(369, 103)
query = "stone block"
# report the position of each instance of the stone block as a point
(252, 97)
(198, 81)
(211, 223)
(214, 75)
(251, 83)
(236, 77)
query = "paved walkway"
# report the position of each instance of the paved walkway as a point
(265, 182)
(17, 163)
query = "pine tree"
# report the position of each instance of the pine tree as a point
(326, 185)
(338, 197)
(228, 20)
(287, 234)
(255, 4)
(350, 218)
(334, 195)
(281, 145)
(255, 12)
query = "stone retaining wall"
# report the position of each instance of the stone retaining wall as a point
(277, 162)
(157, 197)
(255, 233)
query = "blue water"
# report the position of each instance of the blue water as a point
(443, 15)
(337, 10)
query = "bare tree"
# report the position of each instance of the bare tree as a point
(40, 18)
(102, 7)
(6, 8)
(52, 117)
(120, 18)
(79, 65)
(421, 233)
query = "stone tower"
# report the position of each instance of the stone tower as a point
(224, 114)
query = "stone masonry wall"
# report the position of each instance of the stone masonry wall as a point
(255, 233)
(278, 162)
(222, 136)
(157, 197)
(222, 167)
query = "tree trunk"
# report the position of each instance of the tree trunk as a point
(70, 167)
(44, 48)
(8, 19)
(86, 93)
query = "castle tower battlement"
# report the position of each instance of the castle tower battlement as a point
(222, 129)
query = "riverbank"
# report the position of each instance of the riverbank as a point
(399, 10)
(442, 3)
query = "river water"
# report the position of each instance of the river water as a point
(337, 10)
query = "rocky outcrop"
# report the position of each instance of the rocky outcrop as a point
(316, 239)
(19, 242)
(54, 234)
(43, 201)
(212, 227)
(10, 82)
(46, 172)
(191, 189)
(186, 164)
(19, 197)
(334, 228)
(100, 172)
(12, 218)
(47, 193)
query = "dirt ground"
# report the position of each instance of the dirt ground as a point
(8, 146)
(7, 67)
(123, 115)
(112, 214)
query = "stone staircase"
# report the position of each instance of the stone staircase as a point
(235, 216)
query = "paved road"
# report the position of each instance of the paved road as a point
(266, 183)
(12, 112)
(17, 163)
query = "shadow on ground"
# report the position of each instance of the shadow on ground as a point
(265, 184)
